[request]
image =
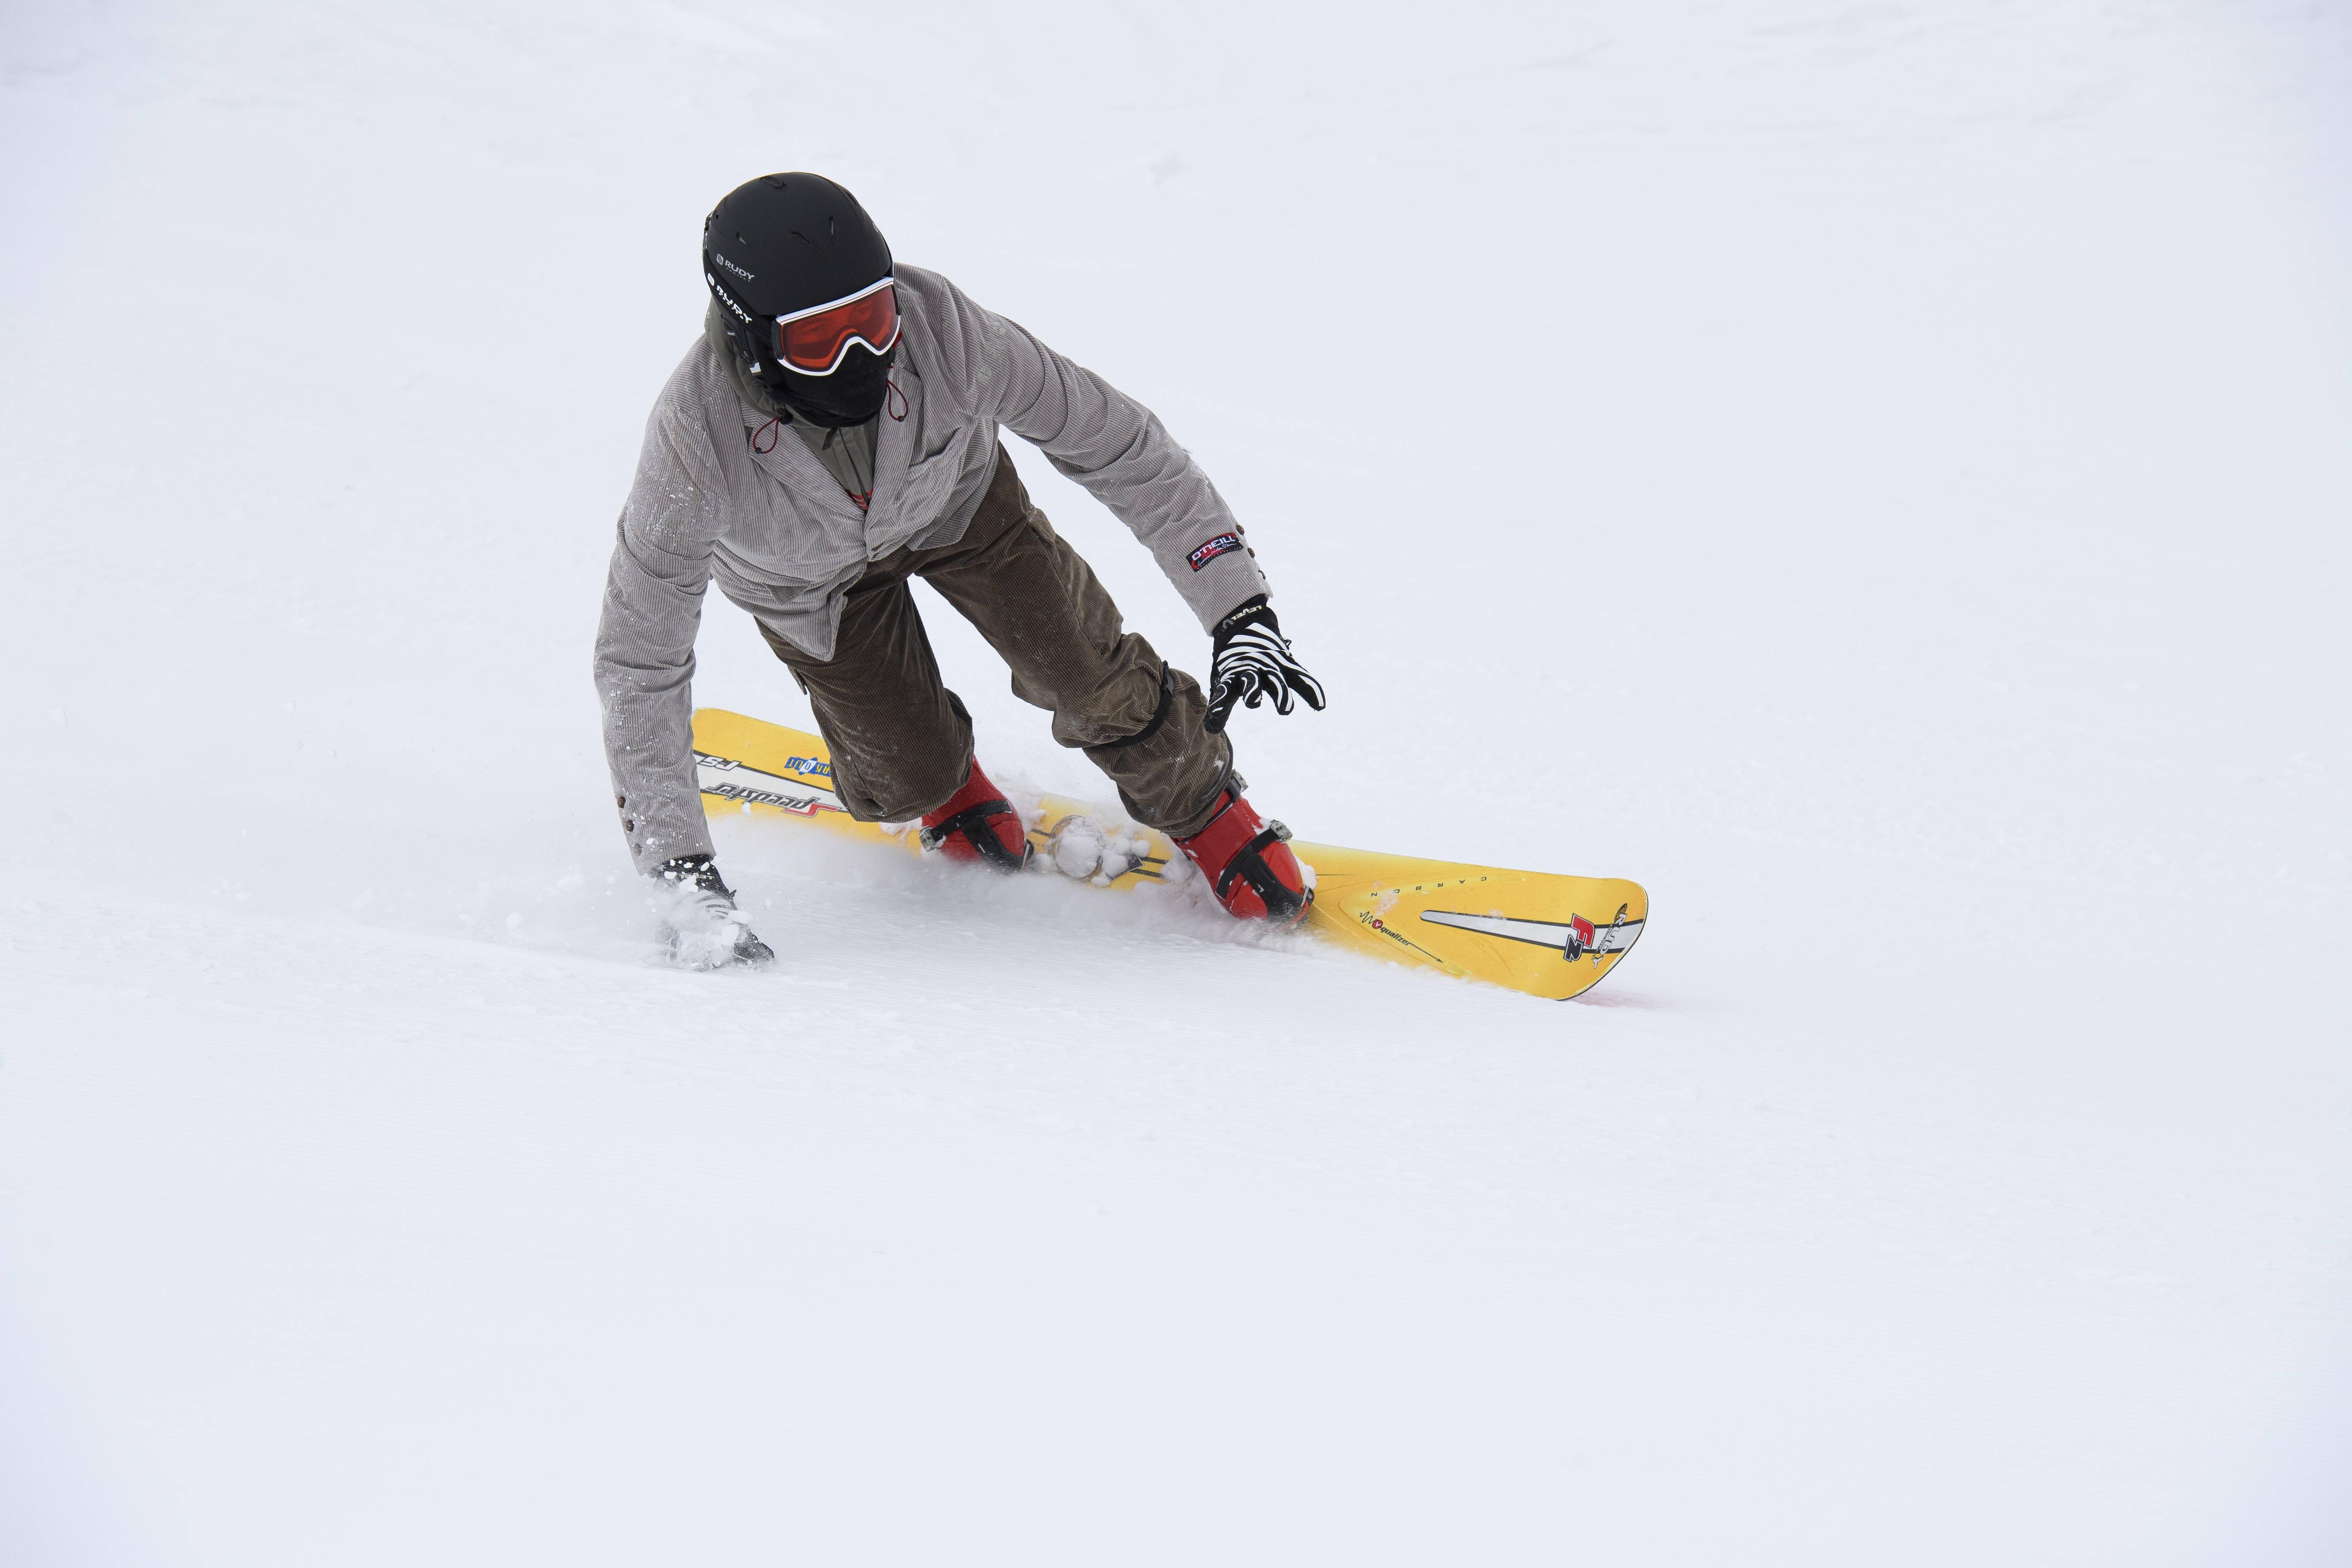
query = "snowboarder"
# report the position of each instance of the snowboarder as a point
(834, 433)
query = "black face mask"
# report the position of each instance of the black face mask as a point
(852, 395)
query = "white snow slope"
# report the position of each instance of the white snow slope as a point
(1878, 475)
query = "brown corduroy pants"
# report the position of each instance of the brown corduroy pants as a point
(901, 741)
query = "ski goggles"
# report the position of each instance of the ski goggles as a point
(814, 341)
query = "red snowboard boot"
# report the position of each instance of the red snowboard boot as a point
(978, 824)
(1249, 864)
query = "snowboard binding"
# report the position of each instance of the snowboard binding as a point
(978, 825)
(1249, 865)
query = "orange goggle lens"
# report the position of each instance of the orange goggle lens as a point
(814, 342)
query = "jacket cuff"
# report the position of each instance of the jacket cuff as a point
(1222, 587)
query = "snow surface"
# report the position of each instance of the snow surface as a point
(1876, 474)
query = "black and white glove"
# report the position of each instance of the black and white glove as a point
(695, 913)
(1251, 662)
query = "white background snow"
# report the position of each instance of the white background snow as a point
(1878, 475)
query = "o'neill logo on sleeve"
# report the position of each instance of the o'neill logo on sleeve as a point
(1223, 544)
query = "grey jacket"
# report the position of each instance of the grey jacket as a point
(721, 493)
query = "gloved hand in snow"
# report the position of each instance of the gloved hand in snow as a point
(1252, 662)
(696, 915)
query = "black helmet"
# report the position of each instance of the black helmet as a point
(798, 250)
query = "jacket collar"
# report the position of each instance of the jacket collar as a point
(775, 448)
(787, 456)
(894, 442)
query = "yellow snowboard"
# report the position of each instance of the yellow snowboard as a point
(1548, 936)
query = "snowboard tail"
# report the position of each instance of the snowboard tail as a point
(1545, 935)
